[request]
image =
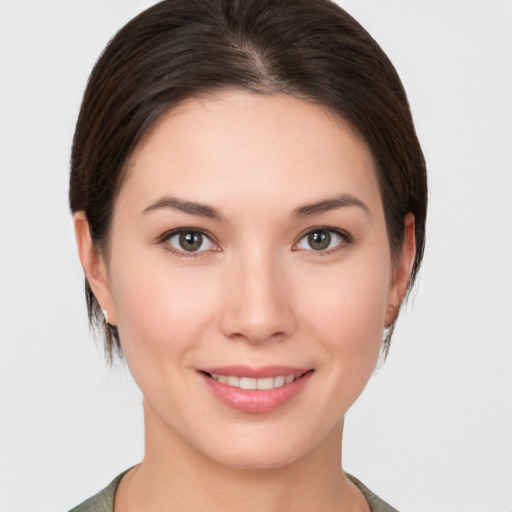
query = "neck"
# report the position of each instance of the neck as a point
(174, 473)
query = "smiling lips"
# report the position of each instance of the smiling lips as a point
(256, 390)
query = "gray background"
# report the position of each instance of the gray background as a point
(432, 431)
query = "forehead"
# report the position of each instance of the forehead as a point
(238, 145)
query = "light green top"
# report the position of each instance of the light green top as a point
(104, 500)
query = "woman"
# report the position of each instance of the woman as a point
(249, 200)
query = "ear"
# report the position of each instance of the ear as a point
(93, 263)
(402, 270)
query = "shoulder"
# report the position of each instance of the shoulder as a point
(103, 501)
(376, 504)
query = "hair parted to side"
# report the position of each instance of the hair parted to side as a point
(177, 49)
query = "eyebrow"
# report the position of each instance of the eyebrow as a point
(181, 205)
(209, 212)
(341, 201)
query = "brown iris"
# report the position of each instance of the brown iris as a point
(191, 240)
(319, 240)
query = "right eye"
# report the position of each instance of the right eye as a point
(190, 241)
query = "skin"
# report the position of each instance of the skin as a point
(258, 294)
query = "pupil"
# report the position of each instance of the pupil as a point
(319, 240)
(191, 241)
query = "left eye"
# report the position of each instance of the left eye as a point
(320, 240)
(190, 241)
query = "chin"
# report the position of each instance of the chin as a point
(256, 458)
(264, 448)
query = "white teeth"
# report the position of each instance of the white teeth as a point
(279, 381)
(248, 383)
(233, 381)
(265, 383)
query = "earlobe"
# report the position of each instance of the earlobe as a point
(402, 270)
(93, 263)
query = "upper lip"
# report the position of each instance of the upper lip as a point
(255, 372)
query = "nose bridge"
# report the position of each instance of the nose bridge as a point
(258, 304)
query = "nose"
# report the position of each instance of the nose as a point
(258, 300)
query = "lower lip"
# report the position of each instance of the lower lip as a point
(257, 401)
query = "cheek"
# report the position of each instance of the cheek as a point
(351, 334)
(350, 304)
(160, 309)
(346, 314)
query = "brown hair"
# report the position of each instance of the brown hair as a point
(177, 49)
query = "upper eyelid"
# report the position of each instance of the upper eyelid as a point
(172, 232)
(337, 231)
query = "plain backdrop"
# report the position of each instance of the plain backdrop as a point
(433, 430)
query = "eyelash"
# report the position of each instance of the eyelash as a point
(346, 240)
(165, 240)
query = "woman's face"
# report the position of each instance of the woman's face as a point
(249, 248)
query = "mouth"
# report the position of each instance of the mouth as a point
(261, 383)
(256, 390)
